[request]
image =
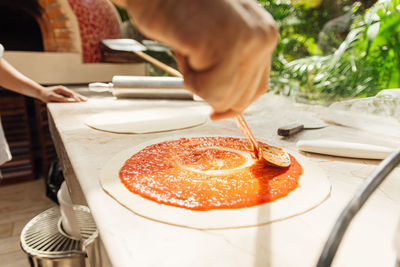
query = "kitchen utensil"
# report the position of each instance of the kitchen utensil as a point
(294, 128)
(144, 87)
(344, 149)
(272, 155)
(130, 45)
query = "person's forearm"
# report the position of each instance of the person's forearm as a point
(15, 81)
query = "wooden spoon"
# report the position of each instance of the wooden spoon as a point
(273, 156)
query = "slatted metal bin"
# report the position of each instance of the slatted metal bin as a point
(47, 244)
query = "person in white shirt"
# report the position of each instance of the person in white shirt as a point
(13, 80)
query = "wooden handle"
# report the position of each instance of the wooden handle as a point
(290, 129)
(247, 132)
(159, 64)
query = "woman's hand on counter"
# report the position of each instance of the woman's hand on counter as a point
(12, 79)
(59, 93)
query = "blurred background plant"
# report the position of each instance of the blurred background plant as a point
(331, 49)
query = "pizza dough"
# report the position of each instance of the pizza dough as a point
(313, 190)
(149, 120)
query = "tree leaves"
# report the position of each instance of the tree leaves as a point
(367, 61)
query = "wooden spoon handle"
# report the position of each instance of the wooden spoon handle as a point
(159, 64)
(246, 131)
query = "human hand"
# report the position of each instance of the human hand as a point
(59, 94)
(223, 47)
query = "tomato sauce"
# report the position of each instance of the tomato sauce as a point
(206, 173)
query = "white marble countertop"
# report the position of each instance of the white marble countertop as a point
(131, 240)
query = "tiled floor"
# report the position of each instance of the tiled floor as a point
(19, 203)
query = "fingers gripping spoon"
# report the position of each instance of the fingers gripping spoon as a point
(273, 156)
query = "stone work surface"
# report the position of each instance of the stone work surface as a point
(131, 240)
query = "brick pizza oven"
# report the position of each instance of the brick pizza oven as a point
(55, 33)
(65, 25)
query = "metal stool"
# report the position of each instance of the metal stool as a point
(47, 244)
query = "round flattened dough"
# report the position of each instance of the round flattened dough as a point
(148, 120)
(313, 190)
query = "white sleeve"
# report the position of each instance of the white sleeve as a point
(5, 154)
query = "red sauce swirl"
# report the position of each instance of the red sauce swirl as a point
(206, 173)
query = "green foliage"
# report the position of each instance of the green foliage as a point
(383, 48)
(365, 62)
(299, 28)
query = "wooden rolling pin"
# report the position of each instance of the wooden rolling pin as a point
(145, 87)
